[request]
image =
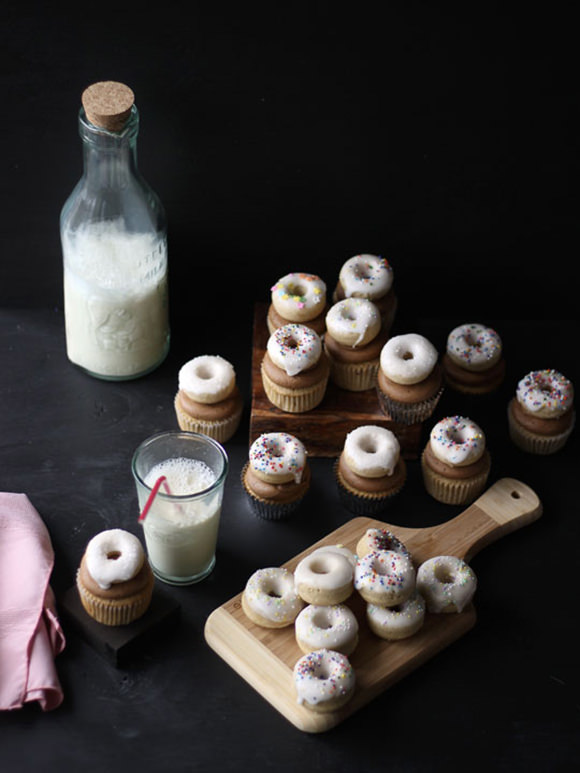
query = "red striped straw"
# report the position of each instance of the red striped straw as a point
(161, 480)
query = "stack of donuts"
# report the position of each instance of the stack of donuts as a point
(314, 598)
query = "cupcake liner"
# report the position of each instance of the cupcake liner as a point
(454, 491)
(362, 503)
(408, 413)
(269, 511)
(537, 444)
(354, 377)
(115, 611)
(221, 430)
(294, 400)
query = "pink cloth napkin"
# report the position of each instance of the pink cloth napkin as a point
(30, 633)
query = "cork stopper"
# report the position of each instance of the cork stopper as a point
(108, 104)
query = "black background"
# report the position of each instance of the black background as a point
(288, 137)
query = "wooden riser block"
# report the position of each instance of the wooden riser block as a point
(323, 429)
(118, 644)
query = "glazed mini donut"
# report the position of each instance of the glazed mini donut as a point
(294, 348)
(457, 441)
(299, 297)
(277, 457)
(207, 379)
(408, 358)
(397, 622)
(339, 550)
(474, 346)
(353, 322)
(545, 393)
(380, 539)
(324, 680)
(446, 583)
(113, 556)
(371, 451)
(366, 276)
(269, 598)
(332, 627)
(324, 577)
(384, 577)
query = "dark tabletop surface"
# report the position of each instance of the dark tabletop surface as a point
(281, 139)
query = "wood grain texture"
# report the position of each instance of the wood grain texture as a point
(265, 657)
(323, 429)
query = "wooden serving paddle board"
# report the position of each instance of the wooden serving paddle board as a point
(265, 657)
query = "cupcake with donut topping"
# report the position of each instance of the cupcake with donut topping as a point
(295, 369)
(541, 416)
(370, 277)
(208, 400)
(473, 362)
(370, 470)
(410, 379)
(276, 476)
(114, 579)
(355, 336)
(298, 297)
(455, 462)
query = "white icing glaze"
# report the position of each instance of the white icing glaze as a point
(113, 556)
(457, 441)
(294, 348)
(366, 276)
(395, 620)
(408, 358)
(326, 570)
(278, 457)
(338, 549)
(446, 583)
(326, 627)
(387, 573)
(299, 297)
(371, 451)
(380, 539)
(353, 322)
(545, 393)
(323, 676)
(474, 346)
(207, 378)
(270, 593)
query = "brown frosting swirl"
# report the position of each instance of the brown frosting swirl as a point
(210, 411)
(365, 353)
(382, 484)
(119, 590)
(453, 471)
(276, 492)
(537, 425)
(302, 380)
(412, 393)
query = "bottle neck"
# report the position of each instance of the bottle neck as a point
(110, 158)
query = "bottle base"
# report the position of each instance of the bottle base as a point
(124, 377)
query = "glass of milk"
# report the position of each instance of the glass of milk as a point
(181, 524)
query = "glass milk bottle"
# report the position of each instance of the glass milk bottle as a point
(114, 241)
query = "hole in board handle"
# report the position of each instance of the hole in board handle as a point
(515, 495)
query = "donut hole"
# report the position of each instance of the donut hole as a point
(274, 450)
(291, 343)
(317, 567)
(444, 575)
(113, 555)
(273, 593)
(368, 446)
(296, 289)
(204, 372)
(407, 355)
(456, 436)
(471, 340)
(322, 672)
(321, 620)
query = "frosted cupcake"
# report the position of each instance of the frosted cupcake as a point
(276, 476)
(370, 277)
(541, 416)
(298, 297)
(370, 470)
(473, 362)
(294, 369)
(114, 580)
(455, 462)
(208, 400)
(409, 381)
(353, 342)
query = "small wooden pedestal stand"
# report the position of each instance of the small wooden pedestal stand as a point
(323, 429)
